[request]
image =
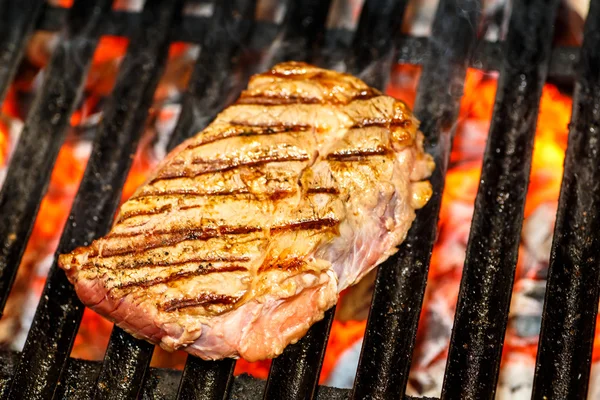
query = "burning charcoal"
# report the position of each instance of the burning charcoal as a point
(516, 378)
(342, 375)
(427, 382)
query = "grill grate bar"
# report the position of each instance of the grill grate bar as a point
(45, 128)
(487, 55)
(400, 284)
(199, 376)
(571, 305)
(373, 47)
(487, 279)
(295, 373)
(210, 88)
(59, 312)
(17, 21)
(127, 359)
(302, 32)
(206, 379)
(124, 368)
(211, 85)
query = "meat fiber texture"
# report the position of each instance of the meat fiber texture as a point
(247, 232)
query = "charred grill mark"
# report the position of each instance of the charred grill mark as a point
(179, 275)
(276, 100)
(166, 238)
(383, 123)
(280, 99)
(306, 224)
(326, 190)
(224, 165)
(356, 154)
(203, 299)
(149, 263)
(193, 233)
(276, 125)
(238, 130)
(210, 166)
(294, 264)
(136, 213)
(187, 193)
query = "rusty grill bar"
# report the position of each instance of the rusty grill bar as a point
(524, 59)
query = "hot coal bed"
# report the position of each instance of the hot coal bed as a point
(230, 40)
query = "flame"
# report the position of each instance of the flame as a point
(4, 145)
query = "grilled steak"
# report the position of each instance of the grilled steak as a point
(247, 232)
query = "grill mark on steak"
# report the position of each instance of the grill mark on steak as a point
(201, 300)
(179, 275)
(238, 130)
(223, 165)
(174, 236)
(187, 193)
(287, 265)
(274, 195)
(306, 224)
(193, 233)
(162, 263)
(274, 100)
(383, 123)
(136, 213)
(354, 154)
(261, 99)
(326, 190)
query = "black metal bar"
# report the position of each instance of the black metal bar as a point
(400, 285)
(212, 84)
(302, 33)
(161, 383)
(571, 304)
(195, 117)
(45, 128)
(486, 285)
(124, 369)
(210, 89)
(17, 21)
(59, 312)
(205, 380)
(295, 374)
(373, 48)
(487, 56)
(127, 359)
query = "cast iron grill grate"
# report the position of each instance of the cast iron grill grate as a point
(525, 59)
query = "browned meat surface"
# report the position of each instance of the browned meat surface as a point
(247, 232)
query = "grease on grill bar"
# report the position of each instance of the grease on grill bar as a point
(571, 305)
(401, 280)
(44, 368)
(43, 134)
(486, 285)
